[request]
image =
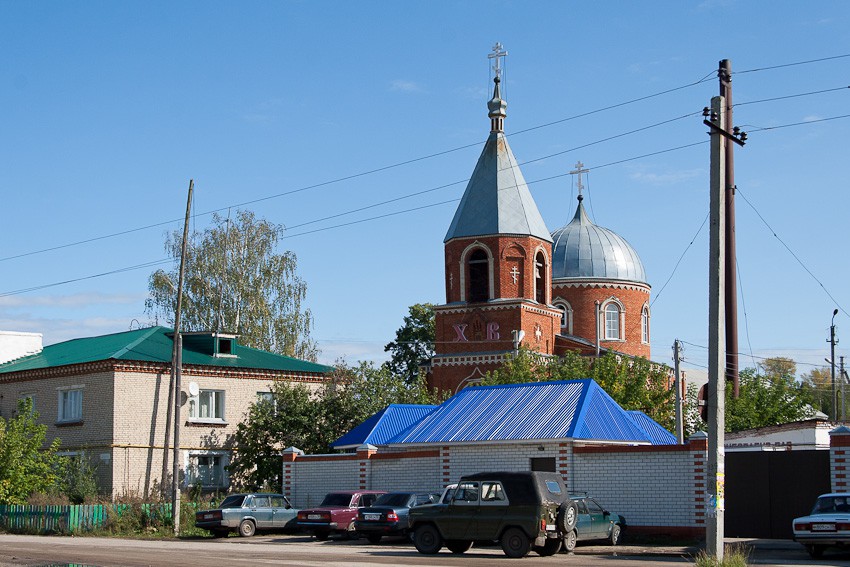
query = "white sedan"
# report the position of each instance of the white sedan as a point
(827, 525)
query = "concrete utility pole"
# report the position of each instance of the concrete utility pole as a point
(832, 342)
(177, 364)
(677, 383)
(843, 376)
(724, 73)
(716, 335)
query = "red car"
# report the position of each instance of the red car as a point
(336, 513)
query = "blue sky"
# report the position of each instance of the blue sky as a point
(111, 107)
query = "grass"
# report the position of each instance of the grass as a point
(733, 556)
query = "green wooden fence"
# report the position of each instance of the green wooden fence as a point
(69, 519)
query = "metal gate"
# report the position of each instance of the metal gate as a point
(766, 490)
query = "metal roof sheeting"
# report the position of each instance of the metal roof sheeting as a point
(583, 250)
(578, 409)
(658, 434)
(154, 344)
(384, 425)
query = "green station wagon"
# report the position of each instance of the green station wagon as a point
(521, 510)
(248, 513)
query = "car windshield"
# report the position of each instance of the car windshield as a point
(831, 504)
(393, 499)
(234, 501)
(336, 499)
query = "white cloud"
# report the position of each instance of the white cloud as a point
(812, 118)
(56, 330)
(405, 86)
(77, 300)
(352, 351)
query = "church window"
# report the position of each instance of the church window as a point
(612, 321)
(566, 316)
(540, 278)
(479, 274)
(644, 324)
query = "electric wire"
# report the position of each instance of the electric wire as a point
(679, 261)
(782, 66)
(788, 248)
(744, 305)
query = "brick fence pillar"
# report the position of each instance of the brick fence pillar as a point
(289, 456)
(839, 448)
(698, 448)
(446, 465)
(562, 466)
(364, 466)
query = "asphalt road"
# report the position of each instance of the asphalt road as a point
(58, 551)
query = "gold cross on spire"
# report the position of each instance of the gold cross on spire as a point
(498, 52)
(578, 171)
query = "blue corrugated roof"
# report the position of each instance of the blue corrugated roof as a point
(382, 426)
(577, 409)
(658, 434)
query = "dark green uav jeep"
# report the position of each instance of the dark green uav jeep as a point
(521, 510)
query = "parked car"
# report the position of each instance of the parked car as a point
(828, 525)
(521, 510)
(594, 523)
(389, 515)
(336, 513)
(248, 513)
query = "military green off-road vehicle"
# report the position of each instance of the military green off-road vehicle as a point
(521, 510)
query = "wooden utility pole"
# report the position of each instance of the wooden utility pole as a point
(716, 359)
(680, 428)
(177, 364)
(724, 73)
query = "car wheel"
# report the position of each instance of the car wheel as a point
(374, 538)
(322, 536)
(614, 536)
(351, 532)
(247, 528)
(816, 551)
(458, 545)
(551, 547)
(220, 533)
(515, 543)
(567, 517)
(570, 541)
(427, 539)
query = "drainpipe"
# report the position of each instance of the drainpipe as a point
(598, 303)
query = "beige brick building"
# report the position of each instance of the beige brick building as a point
(107, 397)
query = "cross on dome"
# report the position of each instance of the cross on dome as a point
(578, 171)
(498, 52)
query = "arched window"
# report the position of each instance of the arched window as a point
(612, 321)
(540, 278)
(566, 317)
(479, 275)
(644, 324)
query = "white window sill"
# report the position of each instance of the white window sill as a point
(205, 421)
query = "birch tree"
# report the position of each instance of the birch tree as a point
(237, 282)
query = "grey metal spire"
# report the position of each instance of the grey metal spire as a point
(497, 199)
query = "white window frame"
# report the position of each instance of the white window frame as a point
(218, 406)
(267, 397)
(644, 324)
(620, 320)
(63, 395)
(567, 311)
(191, 476)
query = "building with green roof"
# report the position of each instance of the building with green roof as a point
(107, 397)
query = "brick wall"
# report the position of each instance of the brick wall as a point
(658, 489)
(839, 457)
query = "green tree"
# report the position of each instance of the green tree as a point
(312, 420)
(817, 383)
(236, 282)
(27, 465)
(634, 383)
(766, 399)
(414, 342)
(78, 481)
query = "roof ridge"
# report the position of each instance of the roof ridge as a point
(145, 336)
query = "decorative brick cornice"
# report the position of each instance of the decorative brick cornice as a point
(469, 359)
(158, 368)
(598, 284)
(499, 305)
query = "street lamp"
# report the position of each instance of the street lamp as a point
(832, 366)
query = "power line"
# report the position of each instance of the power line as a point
(757, 69)
(790, 96)
(797, 258)
(679, 261)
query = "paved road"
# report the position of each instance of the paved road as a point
(303, 551)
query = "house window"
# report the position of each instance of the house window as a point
(70, 405)
(644, 324)
(479, 275)
(207, 470)
(208, 404)
(612, 321)
(267, 398)
(545, 464)
(566, 316)
(31, 398)
(540, 278)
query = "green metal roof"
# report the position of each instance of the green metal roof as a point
(154, 344)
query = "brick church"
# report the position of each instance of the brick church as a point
(511, 282)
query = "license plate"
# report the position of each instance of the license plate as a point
(209, 516)
(823, 527)
(314, 516)
(371, 517)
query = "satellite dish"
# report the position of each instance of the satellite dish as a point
(193, 389)
(520, 335)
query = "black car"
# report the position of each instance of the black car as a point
(389, 515)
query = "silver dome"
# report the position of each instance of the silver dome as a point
(583, 250)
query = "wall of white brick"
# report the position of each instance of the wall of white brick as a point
(419, 474)
(315, 476)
